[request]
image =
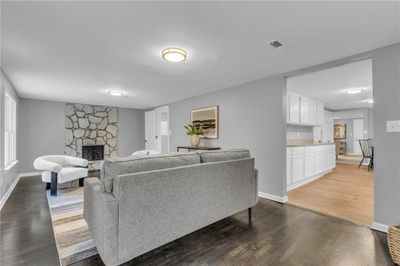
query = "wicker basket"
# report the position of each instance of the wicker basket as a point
(393, 237)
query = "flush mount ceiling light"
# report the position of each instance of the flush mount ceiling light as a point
(115, 93)
(354, 91)
(174, 55)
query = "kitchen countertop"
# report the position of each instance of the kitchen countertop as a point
(309, 144)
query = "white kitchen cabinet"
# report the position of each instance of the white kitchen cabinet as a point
(328, 127)
(289, 166)
(294, 108)
(313, 111)
(318, 161)
(309, 161)
(301, 110)
(305, 110)
(332, 157)
(320, 113)
(297, 164)
(305, 164)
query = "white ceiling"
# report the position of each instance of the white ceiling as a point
(329, 86)
(75, 51)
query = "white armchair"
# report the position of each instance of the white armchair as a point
(61, 169)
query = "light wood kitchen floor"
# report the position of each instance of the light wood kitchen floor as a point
(346, 193)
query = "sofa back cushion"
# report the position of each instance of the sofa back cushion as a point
(136, 164)
(223, 155)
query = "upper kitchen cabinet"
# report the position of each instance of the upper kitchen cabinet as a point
(313, 111)
(320, 113)
(302, 110)
(294, 108)
(305, 109)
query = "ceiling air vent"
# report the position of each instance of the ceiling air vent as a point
(275, 44)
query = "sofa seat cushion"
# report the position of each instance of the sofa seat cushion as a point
(223, 155)
(136, 164)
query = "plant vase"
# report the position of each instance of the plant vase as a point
(195, 141)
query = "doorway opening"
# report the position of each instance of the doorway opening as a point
(157, 130)
(330, 141)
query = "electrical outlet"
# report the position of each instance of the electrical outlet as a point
(393, 126)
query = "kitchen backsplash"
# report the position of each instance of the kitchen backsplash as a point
(299, 133)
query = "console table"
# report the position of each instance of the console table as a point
(190, 148)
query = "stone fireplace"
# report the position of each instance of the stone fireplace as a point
(90, 131)
(93, 152)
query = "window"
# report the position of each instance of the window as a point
(10, 134)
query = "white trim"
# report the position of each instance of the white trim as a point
(272, 197)
(379, 227)
(10, 165)
(30, 174)
(307, 180)
(9, 191)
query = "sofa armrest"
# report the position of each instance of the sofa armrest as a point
(101, 215)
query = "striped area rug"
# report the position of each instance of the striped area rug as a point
(73, 239)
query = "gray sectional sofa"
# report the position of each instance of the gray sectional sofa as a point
(141, 203)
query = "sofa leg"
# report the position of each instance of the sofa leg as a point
(48, 186)
(81, 182)
(53, 189)
(250, 209)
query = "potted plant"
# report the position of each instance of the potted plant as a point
(194, 132)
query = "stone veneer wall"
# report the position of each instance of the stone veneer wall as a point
(90, 125)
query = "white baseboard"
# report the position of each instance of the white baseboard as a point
(351, 153)
(272, 197)
(307, 180)
(379, 227)
(9, 191)
(30, 174)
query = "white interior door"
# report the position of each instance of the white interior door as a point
(150, 130)
(358, 133)
(162, 129)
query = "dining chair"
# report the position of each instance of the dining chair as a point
(367, 149)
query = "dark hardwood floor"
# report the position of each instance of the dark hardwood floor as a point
(279, 235)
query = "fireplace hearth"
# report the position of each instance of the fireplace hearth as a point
(93, 152)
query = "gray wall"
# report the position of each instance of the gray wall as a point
(386, 75)
(366, 114)
(130, 131)
(42, 131)
(251, 116)
(386, 87)
(368, 128)
(7, 177)
(370, 125)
